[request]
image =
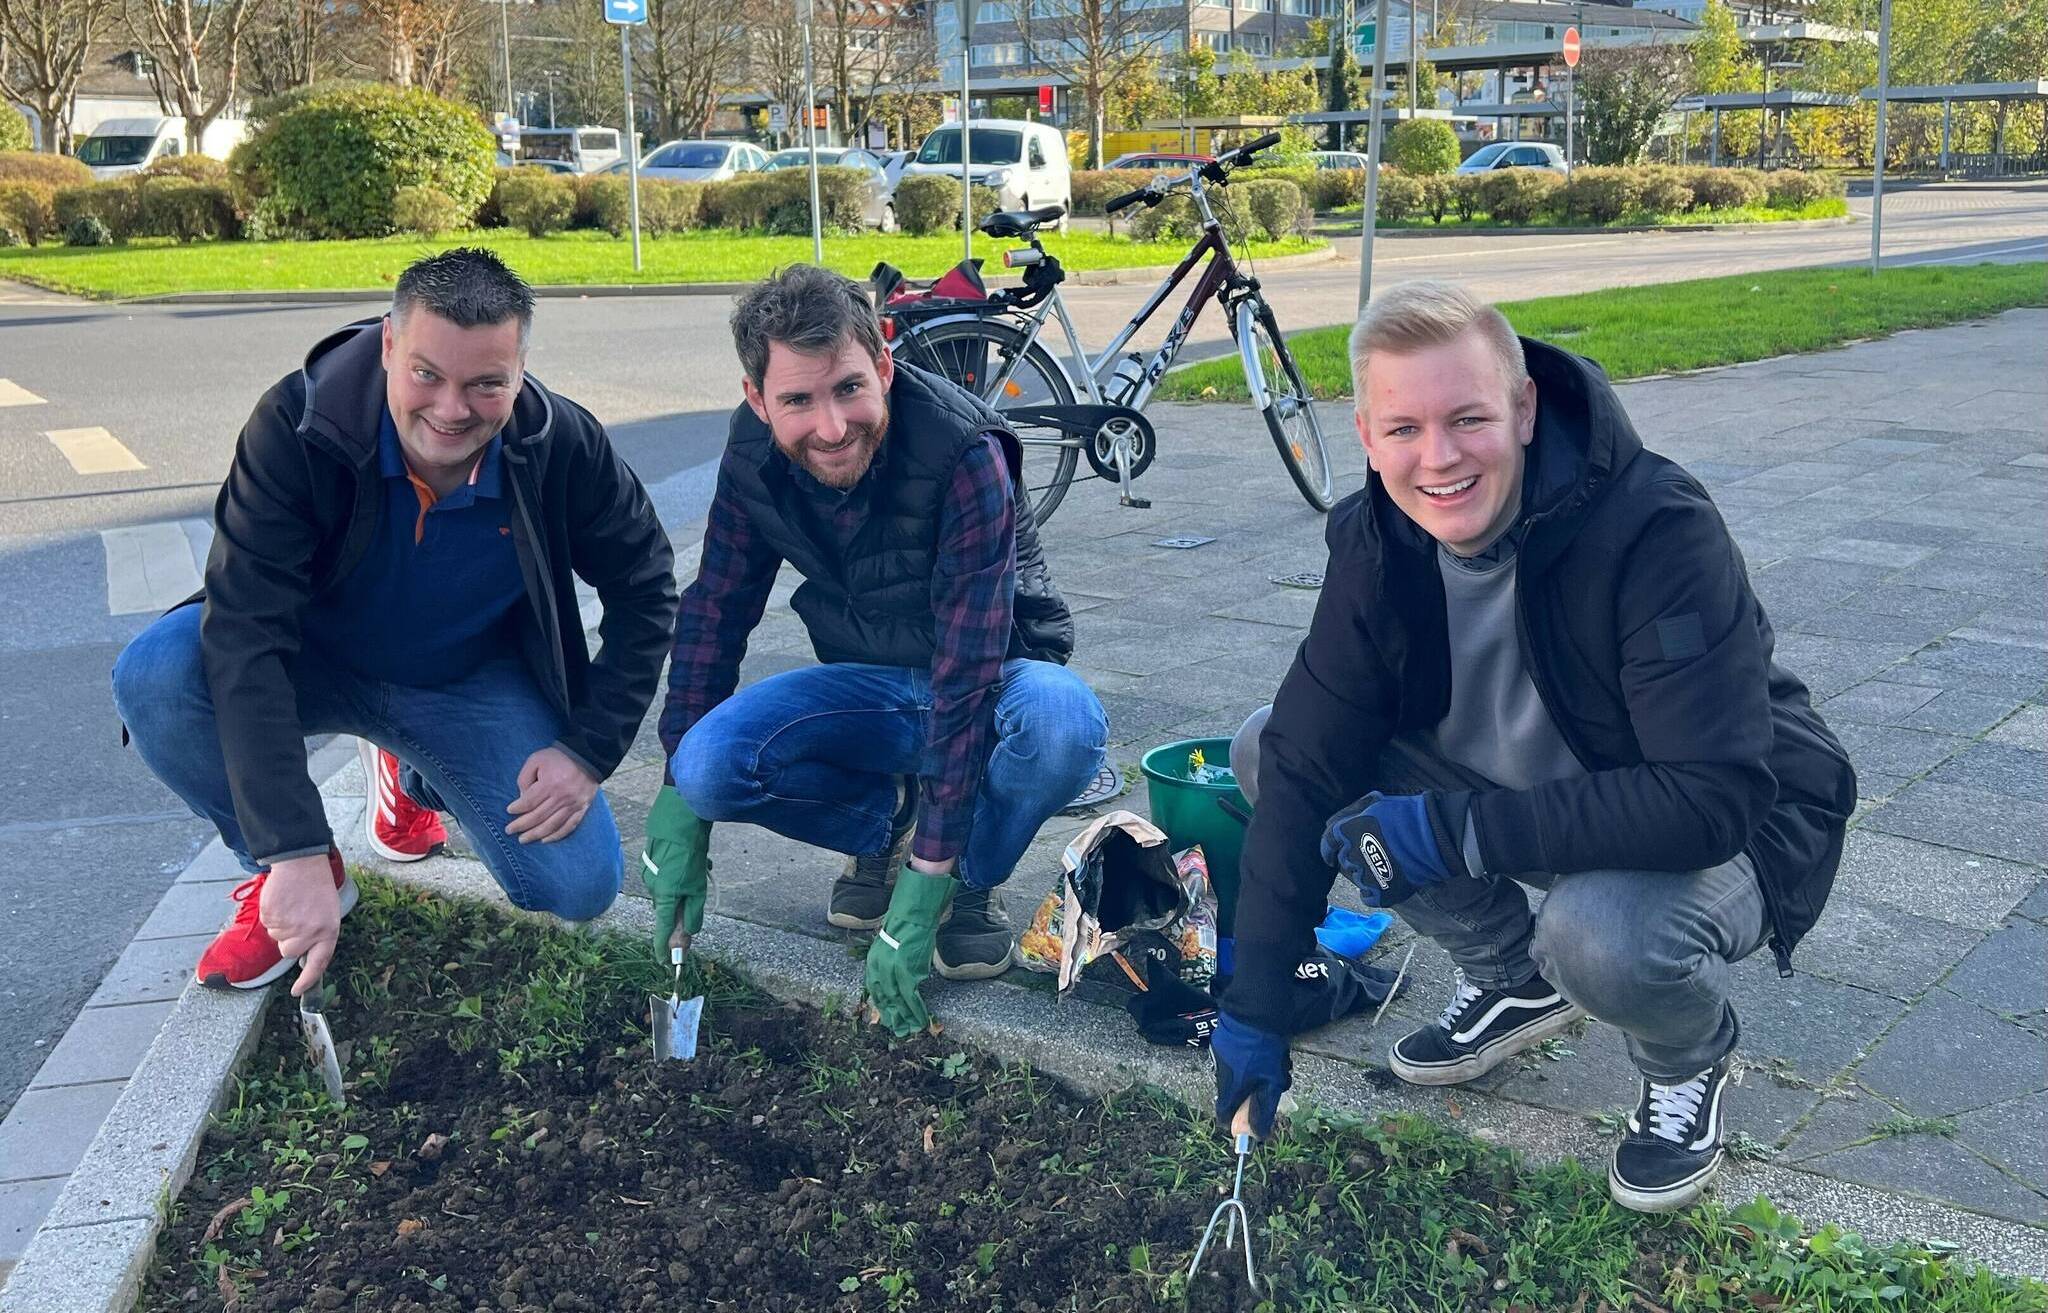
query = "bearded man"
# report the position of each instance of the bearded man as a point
(940, 729)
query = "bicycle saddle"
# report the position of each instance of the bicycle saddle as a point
(1016, 223)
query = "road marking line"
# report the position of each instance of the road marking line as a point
(94, 451)
(150, 567)
(1976, 256)
(14, 394)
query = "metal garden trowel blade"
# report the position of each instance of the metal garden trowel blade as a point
(320, 1047)
(673, 1023)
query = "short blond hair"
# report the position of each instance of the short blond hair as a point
(1423, 314)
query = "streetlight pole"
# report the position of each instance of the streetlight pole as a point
(811, 136)
(505, 32)
(1884, 90)
(632, 139)
(966, 174)
(1377, 103)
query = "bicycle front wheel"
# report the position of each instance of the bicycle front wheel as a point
(1289, 410)
(990, 359)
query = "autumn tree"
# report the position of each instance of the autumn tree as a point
(1623, 92)
(687, 55)
(43, 49)
(195, 48)
(1094, 44)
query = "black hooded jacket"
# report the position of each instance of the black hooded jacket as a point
(299, 508)
(1641, 633)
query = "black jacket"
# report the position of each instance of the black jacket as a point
(301, 505)
(873, 602)
(1643, 638)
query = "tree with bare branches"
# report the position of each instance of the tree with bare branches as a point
(284, 45)
(43, 48)
(777, 31)
(1095, 44)
(193, 45)
(690, 52)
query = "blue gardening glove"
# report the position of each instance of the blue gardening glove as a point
(1393, 846)
(1252, 1067)
(676, 868)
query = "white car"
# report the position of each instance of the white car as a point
(702, 161)
(1025, 162)
(1514, 155)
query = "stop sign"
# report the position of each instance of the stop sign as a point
(1571, 47)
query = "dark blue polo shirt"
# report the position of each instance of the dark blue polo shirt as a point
(438, 591)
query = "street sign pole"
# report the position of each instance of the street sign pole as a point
(966, 113)
(1372, 155)
(811, 135)
(632, 141)
(625, 14)
(1571, 92)
(1884, 90)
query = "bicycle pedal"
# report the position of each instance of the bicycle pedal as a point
(1138, 503)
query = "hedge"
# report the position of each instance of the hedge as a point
(14, 130)
(665, 207)
(144, 205)
(537, 200)
(1333, 189)
(1603, 194)
(1275, 205)
(1666, 190)
(28, 212)
(1400, 197)
(929, 203)
(1174, 219)
(1789, 189)
(427, 211)
(34, 166)
(331, 163)
(780, 201)
(1519, 196)
(1726, 189)
(199, 168)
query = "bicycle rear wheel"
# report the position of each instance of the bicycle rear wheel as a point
(989, 359)
(1290, 412)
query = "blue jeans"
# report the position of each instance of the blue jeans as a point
(467, 740)
(814, 754)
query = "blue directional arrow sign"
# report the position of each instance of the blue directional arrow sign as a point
(625, 12)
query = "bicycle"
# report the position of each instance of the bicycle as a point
(991, 346)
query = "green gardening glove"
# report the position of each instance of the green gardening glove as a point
(676, 868)
(901, 956)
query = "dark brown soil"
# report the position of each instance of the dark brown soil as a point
(800, 1162)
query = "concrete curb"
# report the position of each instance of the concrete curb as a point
(1150, 273)
(91, 1254)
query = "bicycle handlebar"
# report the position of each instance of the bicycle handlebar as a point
(1244, 153)
(1126, 200)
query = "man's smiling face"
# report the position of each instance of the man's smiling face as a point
(1448, 437)
(828, 411)
(450, 389)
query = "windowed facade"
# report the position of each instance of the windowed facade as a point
(997, 54)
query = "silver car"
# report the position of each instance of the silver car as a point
(701, 161)
(1514, 155)
(880, 208)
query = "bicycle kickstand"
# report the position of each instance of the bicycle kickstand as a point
(1123, 479)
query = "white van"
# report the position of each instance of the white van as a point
(117, 147)
(1025, 162)
(584, 150)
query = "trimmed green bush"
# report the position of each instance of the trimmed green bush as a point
(1439, 195)
(1519, 196)
(199, 168)
(665, 207)
(181, 208)
(1666, 190)
(1603, 194)
(332, 162)
(537, 200)
(14, 130)
(1275, 205)
(33, 166)
(1094, 188)
(1400, 196)
(1727, 189)
(87, 230)
(1424, 147)
(930, 203)
(114, 204)
(1466, 195)
(1175, 220)
(29, 210)
(1333, 189)
(1789, 189)
(427, 211)
(780, 202)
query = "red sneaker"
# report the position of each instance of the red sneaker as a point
(244, 956)
(400, 829)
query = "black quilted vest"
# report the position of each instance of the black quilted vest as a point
(873, 603)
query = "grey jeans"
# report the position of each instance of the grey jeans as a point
(1645, 951)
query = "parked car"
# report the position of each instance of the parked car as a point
(880, 211)
(893, 162)
(1026, 163)
(702, 161)
(505, 161)
(1341, 159)
(1514, 155)
(571, 150)
(1162, 161)
(117, 147)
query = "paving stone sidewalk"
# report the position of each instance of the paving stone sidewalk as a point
(1890, 499)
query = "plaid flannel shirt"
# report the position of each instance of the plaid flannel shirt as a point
(974, 584)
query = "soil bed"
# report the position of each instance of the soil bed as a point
(508, 1145)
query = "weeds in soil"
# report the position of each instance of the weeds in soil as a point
(508, 1145)
(1904, 1124)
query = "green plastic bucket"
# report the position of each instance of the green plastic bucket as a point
(1189, 814)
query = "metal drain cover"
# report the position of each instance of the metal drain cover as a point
(1301, 579)
(1183, 542)
(1107, 784)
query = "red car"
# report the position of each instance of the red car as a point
(1159, 160)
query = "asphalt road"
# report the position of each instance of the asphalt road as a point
(88, 840)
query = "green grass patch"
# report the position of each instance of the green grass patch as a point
(158, 268)
(1666, 327)
(1827, 208)
(507, 1143)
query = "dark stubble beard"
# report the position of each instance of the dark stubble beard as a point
(868, 441)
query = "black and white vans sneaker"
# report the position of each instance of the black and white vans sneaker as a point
(1673, 1145)
(1479, 1030)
